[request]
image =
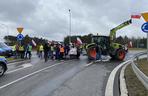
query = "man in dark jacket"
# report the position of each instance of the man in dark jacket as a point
(46, 50)
(57, 52)
(98, 51)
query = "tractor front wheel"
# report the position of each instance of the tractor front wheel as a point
(120, 54)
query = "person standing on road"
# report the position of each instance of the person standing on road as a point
(14, 51)
(51, 51)
(28, 51)
(61, 52)
(46, 51)
(22, 51)
(66, 50)
(57, 52)
(54, 52)
(41, 51)
(78, 52)
(98, 52)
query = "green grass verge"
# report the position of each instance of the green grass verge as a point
(137, 49)
(10, 59)
(134, 86)
(143, 65)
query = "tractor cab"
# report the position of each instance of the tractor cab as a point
(103, 42)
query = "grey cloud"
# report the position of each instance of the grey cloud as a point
(49, 18)
(17, 10)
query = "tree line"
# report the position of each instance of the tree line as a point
(11, 40)
(136, 42)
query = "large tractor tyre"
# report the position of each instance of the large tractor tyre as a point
(120, 54)
(91, 52)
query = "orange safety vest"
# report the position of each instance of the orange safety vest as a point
(62, 49)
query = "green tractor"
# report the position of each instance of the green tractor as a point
(108, 45)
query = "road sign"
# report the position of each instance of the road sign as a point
(20, 29)
(20, 37)
(145, 16)
(144, 27)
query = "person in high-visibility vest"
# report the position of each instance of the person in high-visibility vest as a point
(52, 51)
(14, 50)
(62, 50)
(41, 51)
(21, 51)
(28, 50)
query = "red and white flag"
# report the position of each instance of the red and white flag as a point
(130, 45)
(136, 16)
(79, 41)
(33, 42)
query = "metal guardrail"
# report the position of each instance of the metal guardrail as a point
(140, 75)
(109, 91)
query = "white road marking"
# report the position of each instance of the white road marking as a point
(88, 64)
(1, 87)
(24, 66)
(14, 63)
(9, 64)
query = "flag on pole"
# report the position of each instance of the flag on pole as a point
(33, 42)
(130, 45)
(136, 16)
(79, 42)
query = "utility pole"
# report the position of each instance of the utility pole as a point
(69, 26)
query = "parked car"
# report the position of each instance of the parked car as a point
(3, 65)
(5, 50)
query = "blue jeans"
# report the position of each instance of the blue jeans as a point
(57, 55)
(98, 56)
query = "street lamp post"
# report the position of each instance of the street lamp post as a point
(69, 26)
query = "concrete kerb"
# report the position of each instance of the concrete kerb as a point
(110, 82)
(123, 88)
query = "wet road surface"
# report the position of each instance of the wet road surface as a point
(57, 78)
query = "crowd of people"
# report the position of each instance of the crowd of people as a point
(55, 51)
(22, 51)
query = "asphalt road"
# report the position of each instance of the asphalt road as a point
(57, 78)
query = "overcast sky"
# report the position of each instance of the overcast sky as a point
(49, 18)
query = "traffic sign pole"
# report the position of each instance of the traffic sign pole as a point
(147, 46)
(144, 28)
